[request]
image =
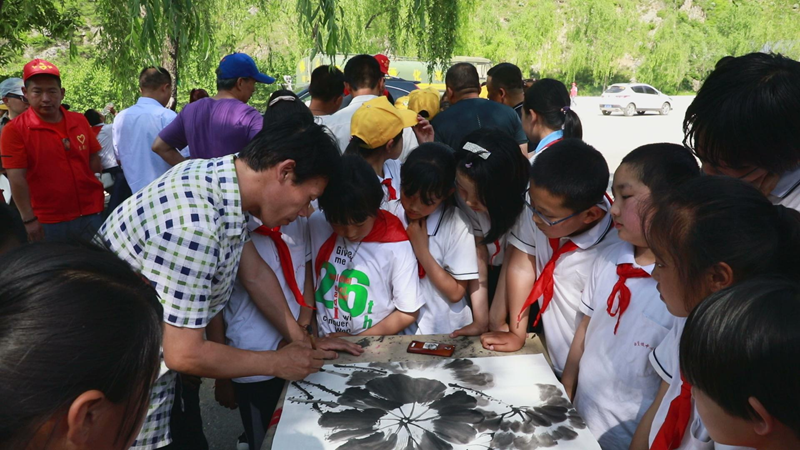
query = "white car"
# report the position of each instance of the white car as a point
(634, 98)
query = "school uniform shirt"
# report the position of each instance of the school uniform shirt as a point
(390, 183)
(383, 277)
(787, 191)
(665, 359)
(184, 234)
(245, 327)
(480, 224)
(339, 124)
(548, 140)
(453, 247)
(56, 157)
(616, 377)
(572, 272)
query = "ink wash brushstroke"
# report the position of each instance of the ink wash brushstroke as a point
(500, 403)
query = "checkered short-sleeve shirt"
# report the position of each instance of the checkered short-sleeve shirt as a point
(185, 233)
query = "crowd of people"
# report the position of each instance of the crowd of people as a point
(668, 306)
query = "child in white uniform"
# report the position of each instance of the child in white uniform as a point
(377, 130)
(491, 177)
(608, 374)
(441, 237)
(746, 383)
(365, 273)
(567, 226)
(706, 235)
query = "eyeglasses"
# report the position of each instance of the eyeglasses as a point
(550, 223)
(719, 171)
(18, 97)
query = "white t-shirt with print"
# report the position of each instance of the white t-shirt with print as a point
(616, 381)
(787, 191)
(246, 327)
(391, 171)
(572, 272)
(453, 247)
(481, 224)
(666, 362)
(383, 278)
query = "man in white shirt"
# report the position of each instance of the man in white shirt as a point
(113, 179)
(137, 127)
(365, 81)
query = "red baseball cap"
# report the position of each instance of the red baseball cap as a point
(384, 62)
(39, 67)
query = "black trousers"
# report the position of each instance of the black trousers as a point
(186, 424)
(257, 403)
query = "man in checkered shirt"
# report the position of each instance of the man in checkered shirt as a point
(186, 233)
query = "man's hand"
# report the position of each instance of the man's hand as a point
(339, 335)
(473, 329)
(297, 360)
(502, 341)
(339, 345)
(224, 395)
(423, 130)
(35, 231)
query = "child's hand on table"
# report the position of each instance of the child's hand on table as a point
(502, 341)
(332, 342)
(473, 329)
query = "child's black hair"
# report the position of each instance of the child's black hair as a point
(746, 114)
(354, 195)
(744, 342)
(573, 170)
(549, 99)
(500, 179)
(357, 146)
(662, 166)
(73, 318)
(283, 104)
(430, 170)
(713, 219)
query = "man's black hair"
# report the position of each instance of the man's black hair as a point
(363, 71)
(225, 84)
(154, 77)
(662, 166)
(463, 78)
(430, 170)
(744, 342)
(353, 196)
(746, 114)
(327, 83)
(41, 76)
(573, 170)
(311, 146)
(507, 76)
(94, 117)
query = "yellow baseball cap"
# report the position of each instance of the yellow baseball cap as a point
(377, 122)
(424, 100)
(401, 103)
(3, 106)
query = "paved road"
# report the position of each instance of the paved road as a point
(614, 136)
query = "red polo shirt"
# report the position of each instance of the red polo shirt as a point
(56, 156)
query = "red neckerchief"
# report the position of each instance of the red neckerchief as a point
(387, 228)
(544, 284)
(670, 435)
(392, 191)
(285, 256)
(624, 271)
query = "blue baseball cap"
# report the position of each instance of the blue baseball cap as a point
(240, 65)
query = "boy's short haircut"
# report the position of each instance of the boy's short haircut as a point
(327, 83)
(744, 342)
(154, 77)
(573, 170)
(93, 117)
(507, 76)
(363, 71)
(296, 137)
(746, 114)
(429, 171)
(354, 195)
(662, 166)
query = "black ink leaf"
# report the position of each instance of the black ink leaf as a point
(362, 399)
(404, 389)
(454, 432)
(458, 399)
(377, 441)
(351, 419)
(430, 441)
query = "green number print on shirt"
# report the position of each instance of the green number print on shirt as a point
(351, 281)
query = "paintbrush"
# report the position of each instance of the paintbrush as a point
(311, 336)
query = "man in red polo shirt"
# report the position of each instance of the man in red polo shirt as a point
(51, 156)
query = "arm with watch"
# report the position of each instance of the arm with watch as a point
(21, 193)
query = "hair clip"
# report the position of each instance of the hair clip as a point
(288, 98)
(477, 150)
(468, 165)
(565, 109)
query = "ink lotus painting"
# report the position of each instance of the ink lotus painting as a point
(510, 402)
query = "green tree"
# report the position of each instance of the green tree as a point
(19, 17)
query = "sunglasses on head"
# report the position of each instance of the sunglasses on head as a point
(18, 97)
